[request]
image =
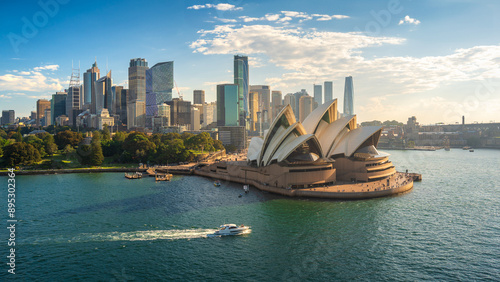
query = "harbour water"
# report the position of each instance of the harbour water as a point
(104, 227)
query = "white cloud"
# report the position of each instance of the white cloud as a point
(220, 7)
(272, 17)
(250, 19)
(47, 67)
(307, 55)
(31, 81)
(408, 20)
(225, 20)
(321, 17)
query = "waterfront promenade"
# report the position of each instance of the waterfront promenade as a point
(397, 183)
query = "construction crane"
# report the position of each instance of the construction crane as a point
(178, 92)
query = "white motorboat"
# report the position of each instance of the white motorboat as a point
(246, 188)
(230, 229)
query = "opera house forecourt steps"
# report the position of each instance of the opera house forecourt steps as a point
(324, 156)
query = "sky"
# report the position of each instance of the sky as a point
(436, 60)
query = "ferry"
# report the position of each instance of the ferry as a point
(230, 229)
(163, 177)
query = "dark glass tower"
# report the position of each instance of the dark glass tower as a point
(348, 96)
(241, 79)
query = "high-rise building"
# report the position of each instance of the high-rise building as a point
(180, 112)
(297, 95)
(241, 79)
(348, 96)
(253, 109)
(159, 85)
(199, 97)
(227, 98)
(72, 103)
(318, 94)
(47, 117)
(8, 117)
(41, 106)
(58, 106)
(89, 78)
(33, 115)
(276, 103)
(136, 101)
(289, 99)
(306, 105)
(328, 91)
(209, 113)
(104, 95)
(264, 100)
(120, 103)
(195, 119)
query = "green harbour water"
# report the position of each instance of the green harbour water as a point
(103, 227)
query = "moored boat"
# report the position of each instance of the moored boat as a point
(163, 177)
(217, 183)
(135, 175)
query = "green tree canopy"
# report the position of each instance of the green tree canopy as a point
(21, 153)
(136, 143)
(66, 137)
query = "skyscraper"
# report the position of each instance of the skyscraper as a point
(264, 101)
(328, 91)
(159, 85)
(276, 103)
(348, 96)
(318, 94)
(72, 103)
(289, 99)
(136, 101)
(41, 106)
(305, 107)
(58, 105)
(227, 97)
(180, 112)
(89, 78)
(103, 94)
(297, 95)
(241, 79)
(199, 97)
(8, 117)
(253, 108)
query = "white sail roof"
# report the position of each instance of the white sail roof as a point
(314, 119)
(297, 142)
(355, 138)
(283, 120)
(279, 139)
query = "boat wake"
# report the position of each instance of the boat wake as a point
(148, 235)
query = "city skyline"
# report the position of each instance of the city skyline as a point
(408, 59)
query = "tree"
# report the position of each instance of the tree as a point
(37, 143)
(96, 158)
(119, 136)
(3, 134)
(136, 142)
(186, 135)
(66, 137)
(68, 151)
(1, 151)
(170, 136)
(105, 133)
(218, 145)
(173, 151)
(21, 153)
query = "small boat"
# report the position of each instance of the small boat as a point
(163, 177)
(135, 175)
(217, 183)
(471, 150)
(230, 229)
(466, 148)
(246, 188)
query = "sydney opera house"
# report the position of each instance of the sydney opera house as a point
(324, 156)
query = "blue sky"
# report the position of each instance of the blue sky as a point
(437, 60)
